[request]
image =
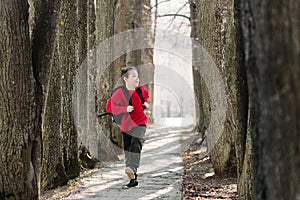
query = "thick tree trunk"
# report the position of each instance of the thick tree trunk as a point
(43, 39)
(53, 172)
(271, 46)
(47, 72)
(143, 58)
(67, 58)
(105, 22)
(20, 136)
(215, 31)
(201, 90)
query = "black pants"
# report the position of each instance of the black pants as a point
(132, 143)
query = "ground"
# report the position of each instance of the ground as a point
(65, 191)
(198, 179)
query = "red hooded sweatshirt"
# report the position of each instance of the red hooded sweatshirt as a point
(118, 104)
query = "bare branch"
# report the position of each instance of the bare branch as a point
(182, 7)
(175, 15)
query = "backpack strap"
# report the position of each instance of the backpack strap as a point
(139, 91)
(104, 114)
(128, 97)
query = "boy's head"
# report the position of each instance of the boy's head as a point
(125, 71)
(130, 77)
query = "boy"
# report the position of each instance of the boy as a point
(134, 121)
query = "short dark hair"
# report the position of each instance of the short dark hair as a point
(125, 70)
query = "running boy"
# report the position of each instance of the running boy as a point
(134, 121)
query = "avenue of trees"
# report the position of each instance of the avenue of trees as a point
(254, 44)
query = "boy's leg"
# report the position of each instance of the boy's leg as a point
(132, 149)
(126, 146)
(127, 142)
(135, 148)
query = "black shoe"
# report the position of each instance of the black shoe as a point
(135, 176)
(132, 183)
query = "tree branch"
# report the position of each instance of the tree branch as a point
(175, 15)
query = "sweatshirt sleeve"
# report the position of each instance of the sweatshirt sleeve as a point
(145, 94)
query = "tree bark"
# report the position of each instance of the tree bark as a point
(200, 88)
(106, 20)
(244, 143)
(53, 171)
(215, 32)
(47, 71)
(271, 46)
(67, 58)
(20, 136)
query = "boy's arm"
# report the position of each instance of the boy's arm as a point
(146, 97)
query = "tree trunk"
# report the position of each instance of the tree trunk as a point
(46, 67)
(20, 136)
(100, 28)
(53, 172)
(143, 58)
(200, 89)
(271, 46)
(67, 58)
(244, 143)
(215, 32)
(80, 92)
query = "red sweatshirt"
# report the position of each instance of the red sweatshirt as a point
(119, 105)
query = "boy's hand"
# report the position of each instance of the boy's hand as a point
(146, 105)
(130, 109)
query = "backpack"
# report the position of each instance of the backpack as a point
(118, 118)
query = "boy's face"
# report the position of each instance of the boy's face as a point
(132, 81)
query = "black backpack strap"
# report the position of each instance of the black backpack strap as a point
(104, 114)
(127, 95)
(139, 91)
